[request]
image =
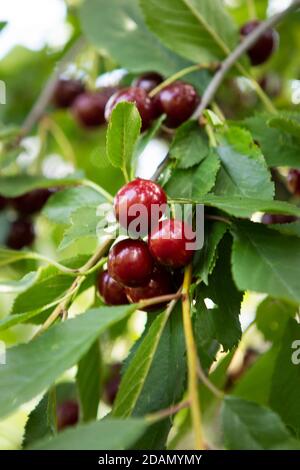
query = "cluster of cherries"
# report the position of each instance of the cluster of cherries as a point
(21, 233)
(93, 108)
(139, 270)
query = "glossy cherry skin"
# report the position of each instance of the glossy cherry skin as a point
(148, 81)
(66, 91)
(32, 202)
(130, 263)
(139, 191)
(3, 203)
(294, 181)
(262, 50)
(178, 101)
(110, 290)
(168, 243)
(135, 95)
(159, 284)
(67, 414)
(21, 234)
(88, 109)
(268, 219)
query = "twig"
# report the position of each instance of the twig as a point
(44, 98)
(192, 360)
(205, 380)
(159, 300)
(237, 53)
(158, 415)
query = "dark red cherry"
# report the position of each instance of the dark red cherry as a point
(66, 91)
(110, 290)
(169, 243)
(67, 414)
(21, 234)
(135, 95)
(130, 263)
(33, 202)
(3, 203)
(159, 284)
(112, 384)
(178, 101)
(148, 81)
(293, 180)
(268, 219)
(140, 192)
(271, 84)
(261, 51)
(88, 109)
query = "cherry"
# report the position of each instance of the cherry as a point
(130, 263)
(67, 414)
(32, 202)
(148, 81)
(178, 101)
(293, 180)
(112, 384)
(264, 46)
(66, 91)
(168, 243)
(88, 109)
(268, 219)
(21, 234)
(3, 203)
(135, 95)
(271, 84)
(139, 192)
(110, 290)
(159, 284)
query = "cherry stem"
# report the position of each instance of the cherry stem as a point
(159, 300)
(161, 414)
(192, 360)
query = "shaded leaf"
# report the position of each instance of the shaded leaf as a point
(88, 381)
(189, 146)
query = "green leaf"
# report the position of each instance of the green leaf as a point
(266, 261)
(189, 146)
(47, 357)
(2, 25)
(118, 30)
(84, 223)
(205, 259)
(288, 122)
(62, 204)
(9, 287)
(11, 256)
(88, 382)
(122, 135)
(199, 30)
(284, 396)
(278, 147)
(272, 316)
(207, 345)
(292, 228)
(12, 186)
(243, 169)
(194, 182)
(249, 426)
(109, 434)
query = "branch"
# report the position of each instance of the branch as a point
(44, 98)
(230, 61)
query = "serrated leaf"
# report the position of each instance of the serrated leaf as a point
(272, 316)
(249, 426)
(207, 345)
(122, 134)
(243, 169)
(292, 228)
(47, 357)
(88, 382)
(266, 261)
(62, 204)
(109, 434)
(189, 146)
(9, 287)
(84, 223)
(199, 30)
(287, 122)
(12, 186)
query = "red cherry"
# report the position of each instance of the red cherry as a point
(67, 414)
(178, 101)
(261, 51)
(21, 234)
(139, 192)
(159, 284)
(148, 81)
(32, 202)
(110, 290)
(135, 95)
(169, 243)
(88, 108)
(3, 203)
(293, 180)
(130, 263)
(268, 219)
(66, 91)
